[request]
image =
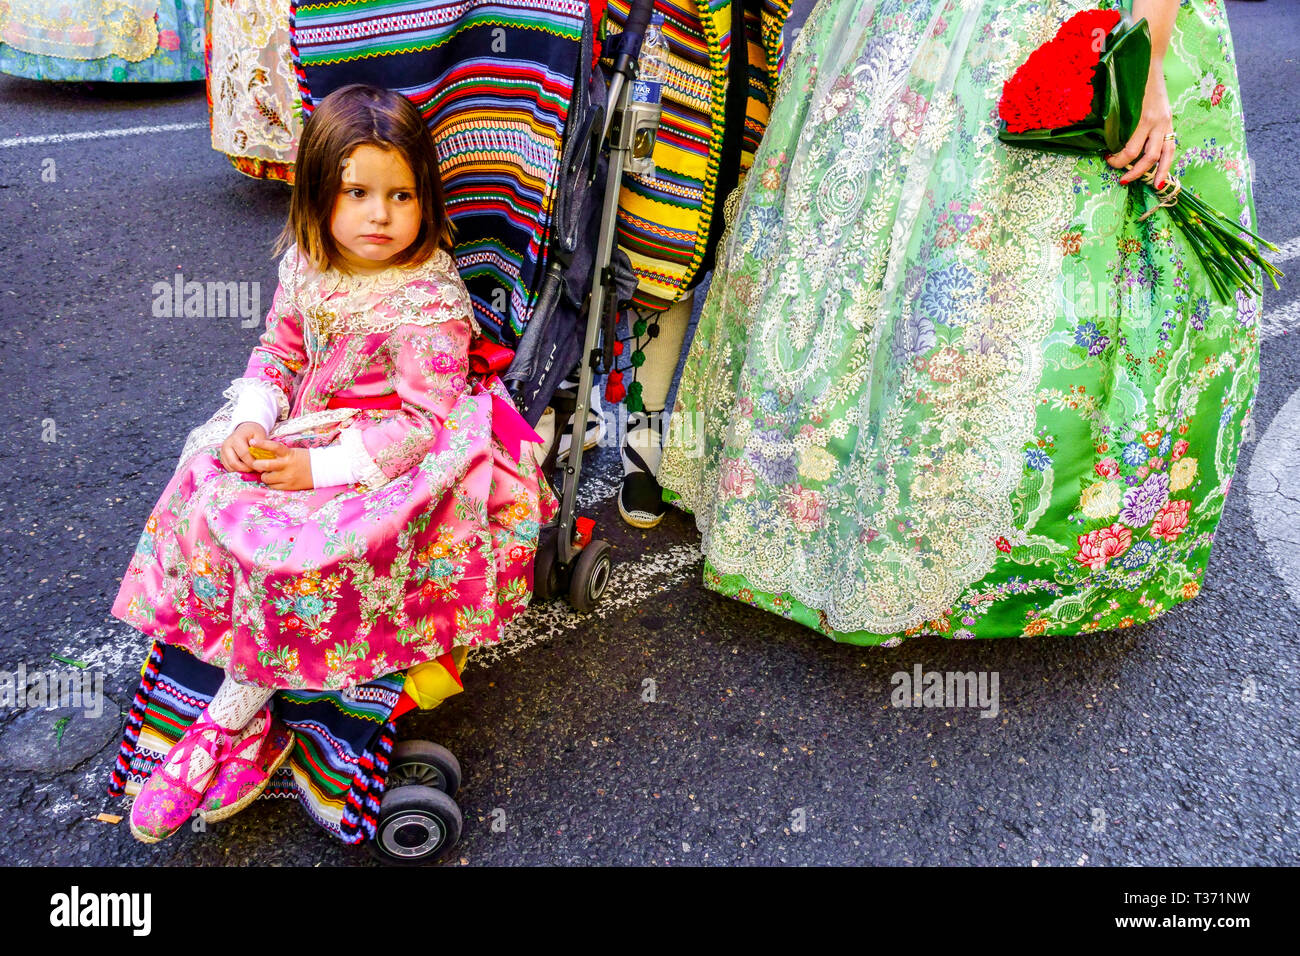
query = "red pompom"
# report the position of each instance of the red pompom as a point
(614, 390)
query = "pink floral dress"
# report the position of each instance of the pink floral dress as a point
(336, 586)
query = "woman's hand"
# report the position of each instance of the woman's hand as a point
(234, 450)
(1149, 145)
(289, 470)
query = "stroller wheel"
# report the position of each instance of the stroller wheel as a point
(425, 763)
(590, 576)
(417, 824)
(548, 579)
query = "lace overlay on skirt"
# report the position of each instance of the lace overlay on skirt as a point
(80, 30)
(898, 332)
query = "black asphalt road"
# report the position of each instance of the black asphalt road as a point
(766, 743)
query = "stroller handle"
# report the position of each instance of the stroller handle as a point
(638, 18)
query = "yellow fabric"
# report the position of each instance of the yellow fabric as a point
(429, 684)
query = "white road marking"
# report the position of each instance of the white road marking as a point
(1273, 490)
(1280, 321)
(600, 481)
(97, 134)
(116, 649)
(1286, 252)
(110, 648)
(1283, 319)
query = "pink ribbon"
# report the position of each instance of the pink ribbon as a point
(507, 424)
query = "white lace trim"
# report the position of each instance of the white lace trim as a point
(889, 586)
(371, 475)
(337, 302)
(312, 421)
(217, 428)
(275, 394)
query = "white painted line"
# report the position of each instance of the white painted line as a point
(114, 649)
(600, 481)
(630, 583)
(97, 134)
(117, 649)
(1286, 252)
(1280, 321)
(1273, 490)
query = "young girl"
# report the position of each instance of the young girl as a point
(378, 524)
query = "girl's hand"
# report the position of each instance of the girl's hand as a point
(289, 470)
(234, 450)
(1148, 145)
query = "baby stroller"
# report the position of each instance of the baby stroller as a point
(348, 769)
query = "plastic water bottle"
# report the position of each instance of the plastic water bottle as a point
(652, 68)
(647, 89)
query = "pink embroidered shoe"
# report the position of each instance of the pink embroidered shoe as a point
(241, 779)
(169, 797)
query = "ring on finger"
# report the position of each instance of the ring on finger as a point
(1171, 137)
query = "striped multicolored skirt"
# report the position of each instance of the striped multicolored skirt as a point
(724, 58)
(494, 81)
(339, 763)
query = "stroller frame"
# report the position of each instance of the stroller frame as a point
(566, 559)
(418, 819)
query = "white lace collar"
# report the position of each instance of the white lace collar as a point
(334, 301)
(304, 275)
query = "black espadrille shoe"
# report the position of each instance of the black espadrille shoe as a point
(640, 499)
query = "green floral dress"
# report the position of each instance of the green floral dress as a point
(945, 386)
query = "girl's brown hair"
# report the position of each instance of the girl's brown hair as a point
(352, 116)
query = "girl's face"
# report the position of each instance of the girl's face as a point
(376, 213)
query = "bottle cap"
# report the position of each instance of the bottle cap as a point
(656, 19)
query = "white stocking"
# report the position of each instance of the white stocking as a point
(240, 705)
(236, 707)
(662, 353)
(235, 704)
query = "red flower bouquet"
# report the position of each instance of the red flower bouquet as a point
(1054, 88)
(1081, 93)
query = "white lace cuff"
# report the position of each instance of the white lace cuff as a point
(254, 405)
(332, 466)
(272, 396)
(368, 473)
